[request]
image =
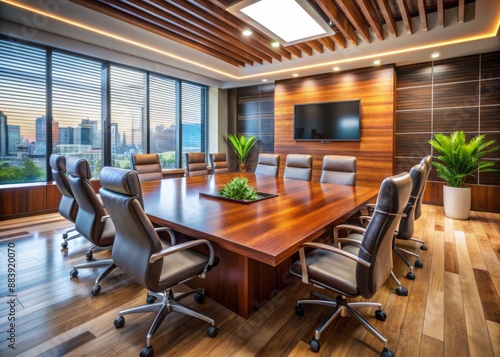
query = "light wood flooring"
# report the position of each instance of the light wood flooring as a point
(453, 307)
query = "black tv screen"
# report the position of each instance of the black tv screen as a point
(329, 121)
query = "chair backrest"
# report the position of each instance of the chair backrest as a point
(298, 166)
(218, 161)
(147, 166)
(196, 164)
(90, 211)
(407, 226)
(268, 164)
(376, 246)
(136, 239)
(427, 160)
(339, 169)
(68, 207)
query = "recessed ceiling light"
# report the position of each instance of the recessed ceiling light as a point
(295, 74)
(377, 62)
(435, 55)
(247, 32)
(264, 80)
(275, 44)
(336, 69)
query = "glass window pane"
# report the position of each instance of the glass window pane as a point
(76, 105)
(193, 116)
(22, 113)
(128, 113)
(162, 118)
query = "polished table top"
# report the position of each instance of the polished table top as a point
(268, 231)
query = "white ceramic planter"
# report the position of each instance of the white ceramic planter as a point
(457, 202)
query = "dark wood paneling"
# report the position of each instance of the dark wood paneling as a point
(404, 164)
(490, 117)
(490, 92)
(456, 70)
(451, 119)
(53, 196)
(414, 145)
(375, 88)
(414, 98)
(415, 121)
(490, 65)
(414, 75)
(23, 199)
(456, 95)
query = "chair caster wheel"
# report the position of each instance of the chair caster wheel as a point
(419, 264)
(380, 315)
(65, 235)
(402, 291)
(315, 345)
(147, 352)
(150, 299)
(73, 273)
(423, 247)
(299, 310)
(199, 297)
(410, 276)
(387, 353)
(64, 245)
(212, 331)
(89, 256)
(96, 289)
(119, 322)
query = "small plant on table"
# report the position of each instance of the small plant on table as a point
(238, 189)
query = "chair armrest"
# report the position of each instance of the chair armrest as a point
(350, 227)
(349, 240)
(365, 220)
(314, 245)
(370, 207)
(170, 233)
(105, 218)
(184, 246)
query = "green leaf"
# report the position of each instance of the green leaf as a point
(242, 146)
(238, 189)
(460, 159)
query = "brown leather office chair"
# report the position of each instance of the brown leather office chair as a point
(196, 164)
(91, 221)
(147, 166)
(339, 169)
(218, 161)
(298, 167)
(407, 224)
(268, 165)
(156, 264)
(68, 207)
(358, 269)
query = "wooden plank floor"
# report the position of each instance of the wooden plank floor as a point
(453, 307)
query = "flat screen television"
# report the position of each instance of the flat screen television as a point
(328, 121)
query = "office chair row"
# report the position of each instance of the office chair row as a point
(359, 267)
(119, 221)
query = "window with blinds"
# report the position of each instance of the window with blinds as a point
(193, 116)
(128, 115)
(43, 86)
(163, 117)
(23, 142)
(76, 107)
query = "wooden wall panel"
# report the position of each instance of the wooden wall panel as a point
(22, 199)
(459, 69)
(464, 95)
(375, 88)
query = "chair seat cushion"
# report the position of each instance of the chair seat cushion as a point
(180, 266)
(333, 270)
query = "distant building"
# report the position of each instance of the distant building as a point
(13, 138)
(41, 135)
(66, 135)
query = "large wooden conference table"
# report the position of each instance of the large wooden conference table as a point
(255, 241)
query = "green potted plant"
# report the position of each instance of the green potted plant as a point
(238, 189)
(458, 160)
(242, 147)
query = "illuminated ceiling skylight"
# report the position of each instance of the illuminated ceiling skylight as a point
(289, 21)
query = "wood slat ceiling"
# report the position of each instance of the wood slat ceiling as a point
(206, 26)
